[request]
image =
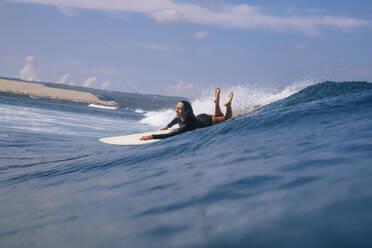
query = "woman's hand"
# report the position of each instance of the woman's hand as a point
(164, 128)
(146, 137)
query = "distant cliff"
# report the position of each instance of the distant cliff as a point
(12, 86)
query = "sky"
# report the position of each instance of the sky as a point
(174, 47)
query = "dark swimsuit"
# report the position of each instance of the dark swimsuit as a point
(203, 120)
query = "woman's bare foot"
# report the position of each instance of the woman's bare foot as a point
(216, 97)
(229, 99)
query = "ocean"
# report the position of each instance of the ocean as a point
(292, 169)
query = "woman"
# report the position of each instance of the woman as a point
(188, 121)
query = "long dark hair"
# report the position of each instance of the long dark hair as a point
(189, 113)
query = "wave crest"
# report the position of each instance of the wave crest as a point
(326, 89)
(246, 99)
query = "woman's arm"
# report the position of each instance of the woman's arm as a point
(170, 134)
(172, 123)
(174, 132)
(166, 135)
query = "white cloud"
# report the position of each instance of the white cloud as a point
(104, 85)
(89, 82)
(166, 15)
(200, 35)
(233, 16)
(29, 59)
(63, 79)
(28, 72)
(182, 88)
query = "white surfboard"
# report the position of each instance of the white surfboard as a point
(132, 139)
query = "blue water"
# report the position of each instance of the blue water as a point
(296, 172)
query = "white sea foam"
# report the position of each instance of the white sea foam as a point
(246, 99)
(101, 106)
(158, 118)
(40, 120)
(140, 111)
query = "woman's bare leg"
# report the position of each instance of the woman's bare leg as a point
(216, 99)
(228, 114)
(217, 119)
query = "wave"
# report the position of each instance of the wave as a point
(239, 180)
(101, 106)
(325, 90)
(139, 111)
(315, 103)
(66, 119)
(246, 99)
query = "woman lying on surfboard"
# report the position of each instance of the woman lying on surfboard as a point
(188, 121)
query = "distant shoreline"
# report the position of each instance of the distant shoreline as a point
(39, 90)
